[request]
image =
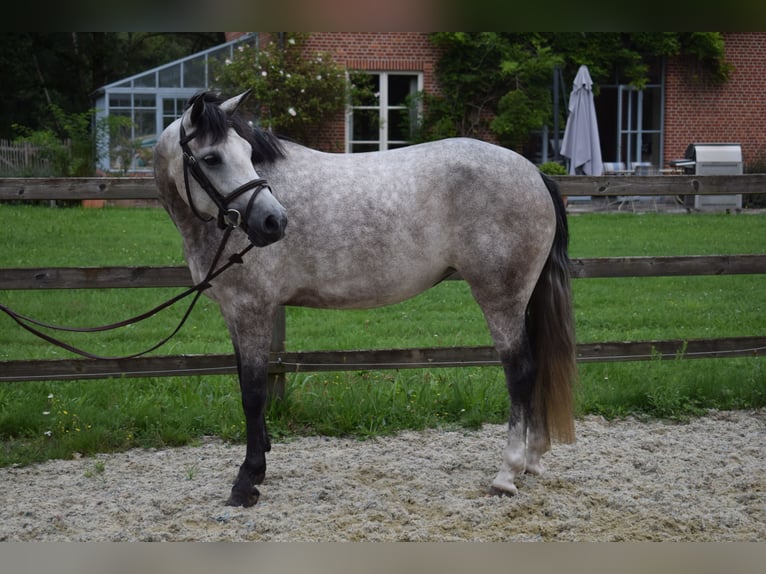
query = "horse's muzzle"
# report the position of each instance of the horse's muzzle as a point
(266, 228)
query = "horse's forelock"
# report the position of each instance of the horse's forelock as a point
(211, 122)
(214, 124)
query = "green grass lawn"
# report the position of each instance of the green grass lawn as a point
(54, 419)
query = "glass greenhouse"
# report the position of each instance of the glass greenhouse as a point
(149, 102)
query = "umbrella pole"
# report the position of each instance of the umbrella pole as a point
(555, 114)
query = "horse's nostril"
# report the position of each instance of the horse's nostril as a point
(272, 225)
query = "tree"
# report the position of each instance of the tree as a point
(41, 69)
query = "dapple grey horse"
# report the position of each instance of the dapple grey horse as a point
(374, 229)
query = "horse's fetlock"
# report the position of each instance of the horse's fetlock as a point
(243, 496)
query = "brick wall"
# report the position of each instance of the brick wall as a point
(732, 113)
(380, 51)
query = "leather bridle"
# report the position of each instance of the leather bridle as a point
(226, 215)
(228, 219)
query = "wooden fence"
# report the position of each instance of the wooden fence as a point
(283, 362)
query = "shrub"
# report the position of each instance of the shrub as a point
(293, 92)
(553, 168)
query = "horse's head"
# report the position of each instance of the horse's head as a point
(211, 162)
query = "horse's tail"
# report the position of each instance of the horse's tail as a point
(550, 323)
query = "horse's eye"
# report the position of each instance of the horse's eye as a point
(212, 159)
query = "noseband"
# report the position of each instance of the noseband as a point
(227, 216)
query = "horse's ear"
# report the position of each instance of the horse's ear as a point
(231, 105)
(197, 107)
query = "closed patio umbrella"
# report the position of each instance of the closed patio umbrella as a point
(581, 143)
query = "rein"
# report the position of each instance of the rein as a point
(228, 220)
(27, 322)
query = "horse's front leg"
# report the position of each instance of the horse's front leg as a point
(252, 382)
(252, 362)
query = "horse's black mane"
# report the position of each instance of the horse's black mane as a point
(214, 123)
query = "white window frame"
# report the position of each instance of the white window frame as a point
(383, 108)
(634, 132)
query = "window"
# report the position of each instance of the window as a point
(172, 108)
(379, 117)
(130, 145)
(140, 108)
(170, 77)
(640, 125)
(195, 71)
(630, 121)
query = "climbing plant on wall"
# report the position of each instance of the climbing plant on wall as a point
(501, 82)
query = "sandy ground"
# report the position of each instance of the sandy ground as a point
(625, 480)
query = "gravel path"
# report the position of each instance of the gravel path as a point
(624, 480)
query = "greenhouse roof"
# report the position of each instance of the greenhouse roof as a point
(150, 101)
(189, 72)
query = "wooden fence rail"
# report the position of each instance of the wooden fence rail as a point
(179, 276)
(367, 360)
(379, 359)
(143, 187)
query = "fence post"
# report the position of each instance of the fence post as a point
(276, 383)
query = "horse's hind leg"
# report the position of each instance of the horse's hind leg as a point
(527, 437)
(538, 441)
(519, 368)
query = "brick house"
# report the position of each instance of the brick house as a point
(676, 109)
(653, 125)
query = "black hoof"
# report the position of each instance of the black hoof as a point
(246, 499)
